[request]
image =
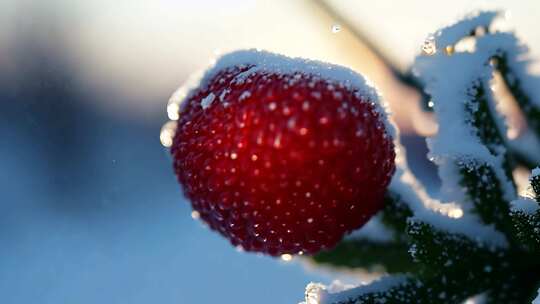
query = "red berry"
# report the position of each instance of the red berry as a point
(281, 157)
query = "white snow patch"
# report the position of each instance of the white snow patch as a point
(317, 293)
(207, 101)
(453, 33)
(175, 101)
(535, 172)
(444, 216)
(525, 205)
(448, 216)
(263, 61)
(450, 79)
(223, 94)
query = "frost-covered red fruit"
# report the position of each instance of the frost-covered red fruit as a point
(282, 155)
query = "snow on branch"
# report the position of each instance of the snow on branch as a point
(467, 26)
(470, 146)
(477, 221)
(334, 294)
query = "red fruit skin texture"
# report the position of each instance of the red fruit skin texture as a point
(282, 163)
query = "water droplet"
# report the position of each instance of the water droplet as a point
(455, 213)
(195, 215)
(336, 28)
(286, 257)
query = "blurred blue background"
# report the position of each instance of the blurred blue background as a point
(90, 210)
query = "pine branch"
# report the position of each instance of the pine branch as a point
(403, 289)
(453, 262)
(391, 257)
(512, 81)
(513, 289)
(480, 109)
(525, 215)
(484, 190)
(395, 214)
(527, 229)
(409, 290)
(454, 255)
(369, 255)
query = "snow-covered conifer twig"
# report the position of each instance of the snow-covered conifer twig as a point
(478, 230)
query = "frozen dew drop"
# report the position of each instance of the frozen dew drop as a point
(286, 257)
(172, 111)
(455, 213)
(195, 215)
(449, 50)
(207, 101)
(429, 47)
(336, 28)
(431, 104)
(166, 134)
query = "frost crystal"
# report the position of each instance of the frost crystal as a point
(258, 61)
(207, 101)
